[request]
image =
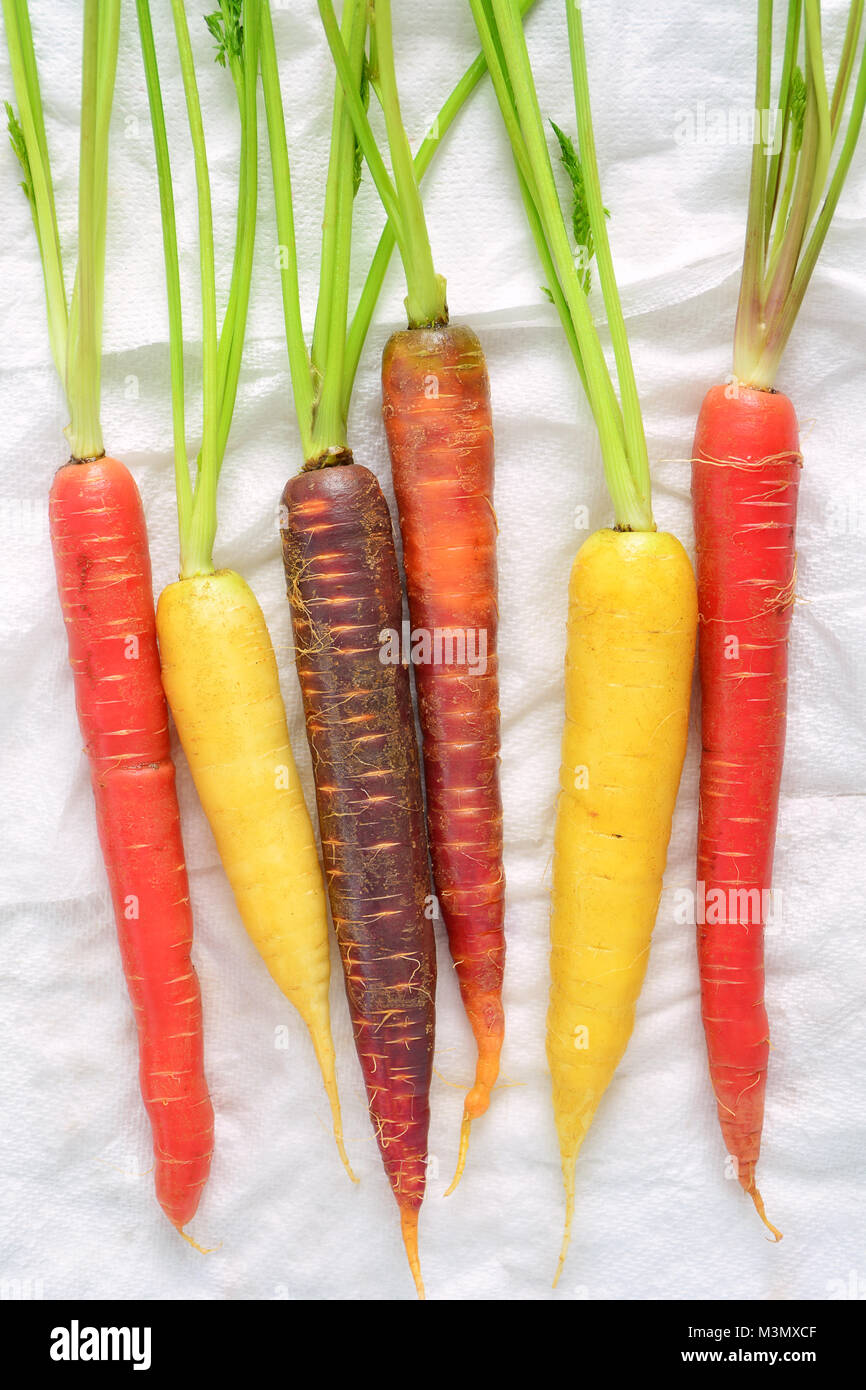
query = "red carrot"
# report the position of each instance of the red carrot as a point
(344, 590)
(436, 403)
(103, 577)
(745, 479)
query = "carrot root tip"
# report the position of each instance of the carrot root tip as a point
(759, 1208)
(409, 1229)
(568, 1180)
(461, 1156)
(325, 1054)
(341, 1149)
(202, 1250)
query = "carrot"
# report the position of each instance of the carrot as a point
(745, 479)
(99, 541)
(232, 727)
(631, 633)
(103, 577)
(218, 664)
(441, 444)
(436, 405)
(344, 589)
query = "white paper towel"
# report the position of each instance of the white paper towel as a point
(655, 1216)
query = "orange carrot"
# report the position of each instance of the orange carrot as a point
(436, 404)
(103, 577)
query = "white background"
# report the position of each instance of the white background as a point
(655, 1215)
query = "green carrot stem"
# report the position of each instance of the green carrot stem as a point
(785, 229)
(304, 379)
(84, 347)
(635, 437)
(225, 26)
(172, 268)
(810, 177)
(221, 354)
(376, 275)
(602, 397)
(792, 139)
(783, 132)
(552, 284)
(784, 208)
(779, 333)
(750, 307)
(196, 546)
(227, 331)
(300, 367)
(28, 57)
(75, 329)
(329, 335)
(821, 106)
(331, 218)
(425, 298)
(847, 66)
(29, 141)
(363, 129)
(500, 77)
(526, 181)
(499, 25)
(245, 76)
(109, 31)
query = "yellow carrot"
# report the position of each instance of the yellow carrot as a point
(218, 665)
(631, 636)
(220, 677)
(631, 631)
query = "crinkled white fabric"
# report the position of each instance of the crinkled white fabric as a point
(655, 1215)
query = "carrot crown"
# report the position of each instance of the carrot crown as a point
(787, 220)
(235, 26)
(323, 376)
(74, 324)
(618, 420)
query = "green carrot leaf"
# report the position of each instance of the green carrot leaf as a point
(19, 145)
(580, 219)
(359, 155)
(227, 29)
(797, 108)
